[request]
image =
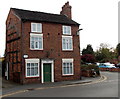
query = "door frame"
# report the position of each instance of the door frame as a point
(52, 69)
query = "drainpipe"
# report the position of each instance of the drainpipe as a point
(22, 61)
(78, 33)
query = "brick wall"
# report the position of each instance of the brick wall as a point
(18, 44)
(52, 45)
(13, 45)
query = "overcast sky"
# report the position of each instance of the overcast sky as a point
(98, 18)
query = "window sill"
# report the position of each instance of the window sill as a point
(67, 50)
(67, 34)
(36, 49)
(36, 32)
(33, 77)
(67, 74)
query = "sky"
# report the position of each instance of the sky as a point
(98, 18)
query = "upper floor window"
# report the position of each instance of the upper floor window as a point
(67, 30)
(67, 43)
(36, 27)
(36, 41)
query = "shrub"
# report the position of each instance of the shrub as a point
(88, 58)
(90, 68)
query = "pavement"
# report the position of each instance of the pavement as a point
(9, 87)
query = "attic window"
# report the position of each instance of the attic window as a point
(36, 27)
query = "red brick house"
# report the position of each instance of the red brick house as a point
(42, 47)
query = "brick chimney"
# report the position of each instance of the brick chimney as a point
(66, 10)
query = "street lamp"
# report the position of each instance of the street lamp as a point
(78, 31)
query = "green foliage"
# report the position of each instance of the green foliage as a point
(104, 54)
(89, 67)
(88, 54)
(88, 50)
(118, 49)
(82, 62)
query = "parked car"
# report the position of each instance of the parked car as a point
(118, 65)
(88, 63)
(97, 64)
(106, 65)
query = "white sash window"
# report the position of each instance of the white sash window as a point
(36, 27)
(32, 67)
(36, 41)
(67, 43)
(67, 30)
(67, 66)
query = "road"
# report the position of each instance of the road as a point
(106, 88)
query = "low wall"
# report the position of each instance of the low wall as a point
(110, 69)
(89, 73)
(86, 73)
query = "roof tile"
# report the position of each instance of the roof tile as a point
(43, 17)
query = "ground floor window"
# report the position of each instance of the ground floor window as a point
(32, 67)
(67, 66)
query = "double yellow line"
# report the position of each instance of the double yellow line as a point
(103, 78)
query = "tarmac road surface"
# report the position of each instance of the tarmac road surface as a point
(105, 88)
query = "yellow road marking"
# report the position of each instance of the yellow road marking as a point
(62, 86)
(21, 91)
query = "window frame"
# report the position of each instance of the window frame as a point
(65, 30)
(34, 60)
(36, 27)
(67, 60)
(67, 37)
(36, 35)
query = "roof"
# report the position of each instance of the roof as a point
(43, 17)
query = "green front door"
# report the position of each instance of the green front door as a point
(47, 72)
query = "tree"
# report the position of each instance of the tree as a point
(88, 54)
(88, 58)
(88, 50)
(104, 53)
(118, 49)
